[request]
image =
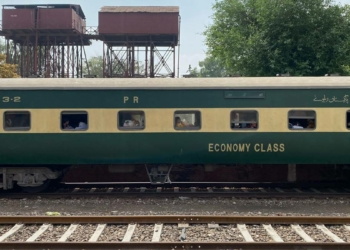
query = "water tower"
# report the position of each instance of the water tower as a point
(139, 41)
(45, 40)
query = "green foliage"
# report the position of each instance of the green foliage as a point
(211, 67)
(266, 37)
(95, 66)
(7, 70)
(192, 72)
(346, 70)
(2, 46)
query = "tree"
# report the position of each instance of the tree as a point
(7, 70)
(211, 67)
(2, 46)
(266, 37)
(191, 72)
(95, 66)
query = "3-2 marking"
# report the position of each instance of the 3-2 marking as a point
(9, 99)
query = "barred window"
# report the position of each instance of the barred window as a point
(244, 119)
(187, 120)
(131, 120)
(17, 120)
(74, 120)
(301, 119)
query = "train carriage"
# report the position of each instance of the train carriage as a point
(51, 124)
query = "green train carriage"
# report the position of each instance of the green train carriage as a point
(51, 124)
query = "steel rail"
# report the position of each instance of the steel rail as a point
(174, 219)
(183, 245)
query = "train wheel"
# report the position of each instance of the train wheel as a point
(37, 189)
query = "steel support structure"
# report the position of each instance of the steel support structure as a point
(47, 56)
(132, 60)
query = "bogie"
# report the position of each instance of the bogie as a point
(30, 179)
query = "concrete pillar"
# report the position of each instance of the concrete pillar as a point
(292, 172)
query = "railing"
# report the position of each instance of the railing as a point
(91, 30)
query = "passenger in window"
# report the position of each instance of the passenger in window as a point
(242, 125)
(14, 120)
(253, 125)
(297, 126)
(348, 125)
(242, 119)
(187, 123)
(311, 124)
(8, 121)
(131, 123)
(66, 125)
(136, 120)
(82, 126)
(179, 123)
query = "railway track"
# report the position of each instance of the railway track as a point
(174, 232)
(195, 191)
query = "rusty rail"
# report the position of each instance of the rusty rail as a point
(174, 219)
(204, 245)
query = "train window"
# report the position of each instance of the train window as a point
(301, 119)
(131, 120)
(17, 120)
(74, 120)
(348, 119)
(187, 120)
(244, 119)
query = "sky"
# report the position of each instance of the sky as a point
(195, 16)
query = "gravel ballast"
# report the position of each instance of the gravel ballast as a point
(172, 206)
(53, 233)
(287, 233)
(113, 233)
(83, 233)
(23, 234)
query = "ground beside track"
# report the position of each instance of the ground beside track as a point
(173, 206)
